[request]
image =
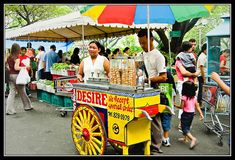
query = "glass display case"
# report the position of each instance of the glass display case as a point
(127, 72)
(218, 40)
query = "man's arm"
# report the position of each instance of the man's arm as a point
(161, 78)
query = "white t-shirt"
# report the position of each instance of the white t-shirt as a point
(97, 67)
(40, 56)
(202, 59)
(154, 62)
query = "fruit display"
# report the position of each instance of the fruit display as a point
(46, 85)
(64, 69)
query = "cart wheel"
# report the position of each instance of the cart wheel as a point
(63, 113)
(220, 143)
(88, 131)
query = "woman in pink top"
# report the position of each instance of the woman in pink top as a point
(182, 73)
(188, 104)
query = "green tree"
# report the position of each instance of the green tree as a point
(23, 15)
(188, 31)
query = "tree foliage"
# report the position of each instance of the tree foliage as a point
(23, 15)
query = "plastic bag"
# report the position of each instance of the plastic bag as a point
(26, 62)
(23, 77)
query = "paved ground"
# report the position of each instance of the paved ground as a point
(44, 132)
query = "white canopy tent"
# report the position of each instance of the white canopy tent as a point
(70, 28)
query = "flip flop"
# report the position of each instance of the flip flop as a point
(28, 109)
(193, 144)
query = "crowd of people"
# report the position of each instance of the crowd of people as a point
(190, 71)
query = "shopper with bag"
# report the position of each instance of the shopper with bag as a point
(16, 63)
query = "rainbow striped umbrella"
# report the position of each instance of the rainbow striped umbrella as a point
(139, 14)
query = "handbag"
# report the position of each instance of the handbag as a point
(23, 77)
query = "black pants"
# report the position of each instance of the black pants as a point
(200, 84)
(47, 75)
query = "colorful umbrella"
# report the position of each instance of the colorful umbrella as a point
(137, 14)
(146, 14)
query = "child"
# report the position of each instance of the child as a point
(188, 104)
(166, 115)
(187, 58)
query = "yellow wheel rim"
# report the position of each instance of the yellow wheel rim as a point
(88, 131)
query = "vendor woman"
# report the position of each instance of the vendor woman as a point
(95, 65)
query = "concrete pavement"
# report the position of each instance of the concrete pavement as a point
(43, 132)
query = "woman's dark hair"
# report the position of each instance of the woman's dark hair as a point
(97, 44)
(227, 50)
(102, 50)
(186, 45)
(108, 51)
(116, 50)
(15, 50)
(60, 52)
(126, 49)
(189, 89)
(41, 48)
(29, 45)
(204, 47)
(75, 59)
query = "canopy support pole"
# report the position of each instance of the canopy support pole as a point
(83, 43)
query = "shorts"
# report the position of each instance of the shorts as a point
(166, 121)
(186, 121)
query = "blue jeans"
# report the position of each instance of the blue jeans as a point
(166, 121)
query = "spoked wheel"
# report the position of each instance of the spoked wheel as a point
(88, 131)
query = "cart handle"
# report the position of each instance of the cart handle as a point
(145, 113)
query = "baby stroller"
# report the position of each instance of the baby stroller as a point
(216, 104)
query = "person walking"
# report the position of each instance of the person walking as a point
(224, 70)
(15, 64)
(202, 70)
(188, 104)
(31, 54)
(182, 76)
(95, 65)
(49, 59)
(39, 59)
(166, 115)
(155, 66)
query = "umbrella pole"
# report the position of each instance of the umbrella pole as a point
(169, 46)
(148, 28)
(149, 82)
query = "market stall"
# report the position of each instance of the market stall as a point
(47, 92)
